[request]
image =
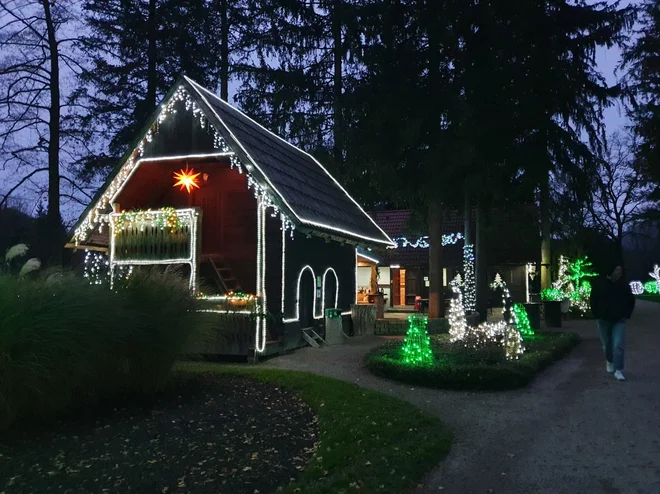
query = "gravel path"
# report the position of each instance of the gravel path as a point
(573, 430)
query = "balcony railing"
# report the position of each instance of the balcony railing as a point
(166, 236)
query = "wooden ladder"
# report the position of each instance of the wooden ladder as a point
(225, 276)
(312, 337)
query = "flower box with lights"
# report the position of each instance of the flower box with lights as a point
(552, 299)
(198, 192)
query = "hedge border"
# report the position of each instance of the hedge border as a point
(480, 377)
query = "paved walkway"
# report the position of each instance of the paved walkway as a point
(573, 430)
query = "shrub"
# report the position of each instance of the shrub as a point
(66, 343)
(481, 369)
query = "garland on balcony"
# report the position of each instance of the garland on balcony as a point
(164, 218)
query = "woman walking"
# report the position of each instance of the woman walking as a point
(612, 303)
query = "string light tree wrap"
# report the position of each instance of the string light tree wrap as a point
(469, 286)
(416, 349)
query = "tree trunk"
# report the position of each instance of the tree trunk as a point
(436, 298)
(152, 54)
(481, 262)
(54, 218)
(467, 233)
(224, 51)
(546, 254)
(337, 84)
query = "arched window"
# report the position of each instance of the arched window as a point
(330, 293)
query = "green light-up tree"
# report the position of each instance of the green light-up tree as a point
(522, 321)
(416, 349)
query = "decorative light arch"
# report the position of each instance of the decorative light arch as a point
(323, 307)
(297, 317)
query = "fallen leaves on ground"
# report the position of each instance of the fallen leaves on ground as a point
(228, 434)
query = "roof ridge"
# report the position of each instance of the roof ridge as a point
(198, 86)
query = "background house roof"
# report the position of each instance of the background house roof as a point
(511, 242)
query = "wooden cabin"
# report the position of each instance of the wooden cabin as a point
(258, 225)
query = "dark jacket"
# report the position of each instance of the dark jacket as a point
(612, 301)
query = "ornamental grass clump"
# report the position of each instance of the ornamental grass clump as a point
(65, 343)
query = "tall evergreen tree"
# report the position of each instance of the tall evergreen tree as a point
(642, 61)
(561, 92)
(137, 50)
(305, 50)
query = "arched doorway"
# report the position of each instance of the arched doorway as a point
(306, 297)
(330, 290)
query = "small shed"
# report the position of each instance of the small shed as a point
(249, 217)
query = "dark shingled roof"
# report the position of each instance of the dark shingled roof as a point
(304, 186)
(296, 182)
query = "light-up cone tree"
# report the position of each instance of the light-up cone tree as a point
(522, 321)
(416, 349)
(457, 321)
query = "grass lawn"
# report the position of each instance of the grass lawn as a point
(649, 297)
(369, 441)
(458, 369)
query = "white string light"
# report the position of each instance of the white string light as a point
(469, 285)
(283, 264)
(485, 333)
(636, 287)
(297, 318)
(260, 331)
(199, 88)
(129, 167)
(187, 216)
(164, 158)
(423, 241)
(323, 307)
(356, 276)
(372, 259)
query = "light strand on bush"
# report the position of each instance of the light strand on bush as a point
(469, 287)
(651, 287)
(416, 349)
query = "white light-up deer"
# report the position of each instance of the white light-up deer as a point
(656, 276)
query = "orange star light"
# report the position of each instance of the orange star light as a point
(187, 179)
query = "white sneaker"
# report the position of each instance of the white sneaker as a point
(610, 367)
(619, 376)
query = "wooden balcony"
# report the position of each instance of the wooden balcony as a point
(166, 236)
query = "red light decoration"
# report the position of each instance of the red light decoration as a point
(186, 179)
